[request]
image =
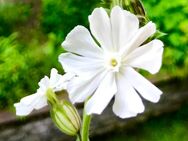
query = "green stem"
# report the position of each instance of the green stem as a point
(85, 127)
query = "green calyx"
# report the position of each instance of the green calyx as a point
(51, 96)
(66, 118)
(64, 114)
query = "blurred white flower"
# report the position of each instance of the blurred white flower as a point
(56, 82)
(107, 71)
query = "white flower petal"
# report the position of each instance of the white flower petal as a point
(59, 82)
(101, 28)
(142, 35)
(36, 101)
(40, 102)
(79, 65)
(26, 105)
(148, 57)
(145, 88)
(123, 115)
(63, 81)
(79, 41)
(104, 93)
(68, 76)
(22, 110)
(54, 77)
(29, 100)
(127, 102)
(43, 84)
(81, 88)
(124, 26)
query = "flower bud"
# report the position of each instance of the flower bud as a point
(134, 6)
(64, 115)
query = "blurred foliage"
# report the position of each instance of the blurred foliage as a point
(21, 68)
(12, 67)
(171, 18)
(27, 54)
(11, 15)
(31, 33)
(61, 16)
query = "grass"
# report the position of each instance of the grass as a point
(171, 127)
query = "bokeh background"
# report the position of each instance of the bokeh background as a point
(31, 32)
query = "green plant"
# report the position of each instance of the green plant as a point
(12, 68)
(61, 16)
(173, 21)
(22, 66)
(12, 14)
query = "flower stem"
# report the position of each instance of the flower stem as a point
(85, 126)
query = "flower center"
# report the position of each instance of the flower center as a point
(114, 62)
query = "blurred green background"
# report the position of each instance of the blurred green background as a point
(31, 32)
(30, 36)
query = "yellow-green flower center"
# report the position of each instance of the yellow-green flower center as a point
(114, 62)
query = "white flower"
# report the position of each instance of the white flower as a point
(56, 82)
(107, 71)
